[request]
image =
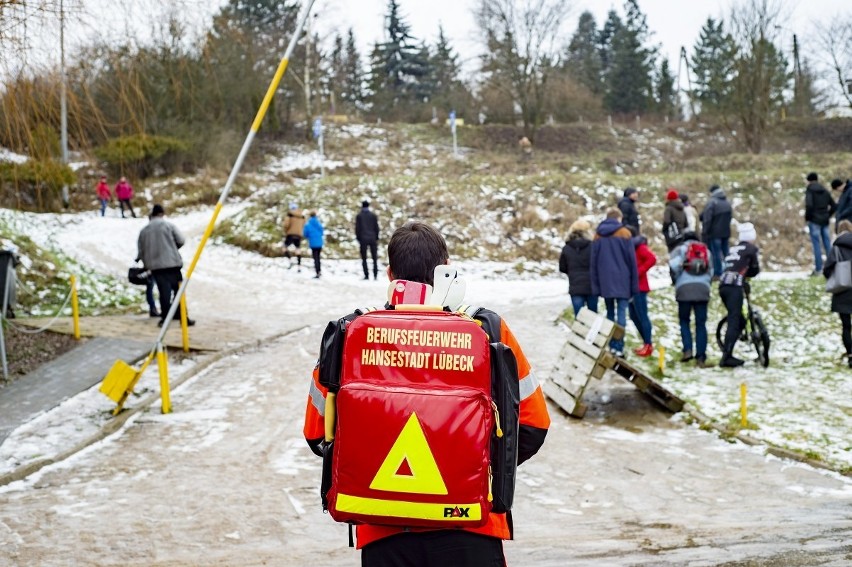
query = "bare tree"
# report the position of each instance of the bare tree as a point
(835, 42)
(761, 70)
(523, 42)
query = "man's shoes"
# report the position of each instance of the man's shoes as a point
(160, 322)
(687, 356)
(375, 275)
(644, 351)
(816, 273)
(316, 277)
(702, 363)
(731, 362)
(366, 278)
(153, 313)
(616, 352)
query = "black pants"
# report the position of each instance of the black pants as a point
(168, 282)
(315, 252)
(373, 246)
(443, 548)
(846, 333)
(295, 241)
(121, 203)
(732, 296)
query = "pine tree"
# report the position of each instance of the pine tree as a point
(583, 57)
(612, 26)
(666, 100)
(448, 90)
(351, 88)
(629, 77)
(713, 60)
(397, 67)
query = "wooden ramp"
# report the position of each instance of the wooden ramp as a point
(586, 355)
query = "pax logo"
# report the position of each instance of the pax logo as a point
(457, 512)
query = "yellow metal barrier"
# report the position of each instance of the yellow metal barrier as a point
(120, 381)
(75, 307)
(184, 328)
(163, 367)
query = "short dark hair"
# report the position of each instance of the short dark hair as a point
(813, 176)
(157, 211)
(365, 203)
(835, 183)
(415, 250)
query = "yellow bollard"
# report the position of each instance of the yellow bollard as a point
(163, 367)
(661, 360)
(75, 308)
(184, 329)
(743, 405)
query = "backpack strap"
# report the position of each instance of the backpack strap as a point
(488, 320)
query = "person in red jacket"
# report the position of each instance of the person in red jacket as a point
(104, 194)
(124, 192)
(645, 260)
(414, 250)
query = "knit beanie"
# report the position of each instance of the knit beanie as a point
(746, 232)
(672, 195)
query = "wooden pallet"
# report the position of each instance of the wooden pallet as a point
(586, 355)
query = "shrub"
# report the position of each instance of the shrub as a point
(34, 184)
(142, 155)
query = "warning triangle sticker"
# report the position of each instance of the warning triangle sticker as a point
(410, 466)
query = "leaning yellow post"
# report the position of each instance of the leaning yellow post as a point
(117, 374)
(163, 367)
(75, 307)
(743, 405)
(661, 358)
(184, 329)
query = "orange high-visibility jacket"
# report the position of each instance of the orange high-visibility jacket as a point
(534, 422)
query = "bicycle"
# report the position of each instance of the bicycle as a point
(753, 331)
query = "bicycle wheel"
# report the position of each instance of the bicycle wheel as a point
(722, 328)
(760, 339)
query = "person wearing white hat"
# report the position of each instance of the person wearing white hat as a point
(741, 263)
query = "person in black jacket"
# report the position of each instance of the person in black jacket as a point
(629, 214)
(844, 203)
(367, 234)
(716, 227)
(740, 264)
(574, 262)
(819, 206)
(841, 302)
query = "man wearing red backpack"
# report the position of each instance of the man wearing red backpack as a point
(414, 251)
(692, 272)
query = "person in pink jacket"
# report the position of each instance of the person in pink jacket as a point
(645, 260)
(104, 194)
(124, 192)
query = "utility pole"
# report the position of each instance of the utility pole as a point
(684, 59)
(63, 103)
(308, 110)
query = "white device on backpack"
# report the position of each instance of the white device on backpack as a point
(449, 288)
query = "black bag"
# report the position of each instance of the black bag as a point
(138, 276)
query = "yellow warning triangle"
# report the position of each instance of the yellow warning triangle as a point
(410, 447)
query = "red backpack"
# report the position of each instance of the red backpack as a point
(697, 260)
(424, 410)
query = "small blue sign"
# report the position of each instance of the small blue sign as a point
(453, 120)
(317, 127)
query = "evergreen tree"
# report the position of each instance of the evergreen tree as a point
(583, 57)
(612, 26)
(352, 77)
(713, 60)
(397, 67)
(448, 90)
(667, 103)
(629, 77)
